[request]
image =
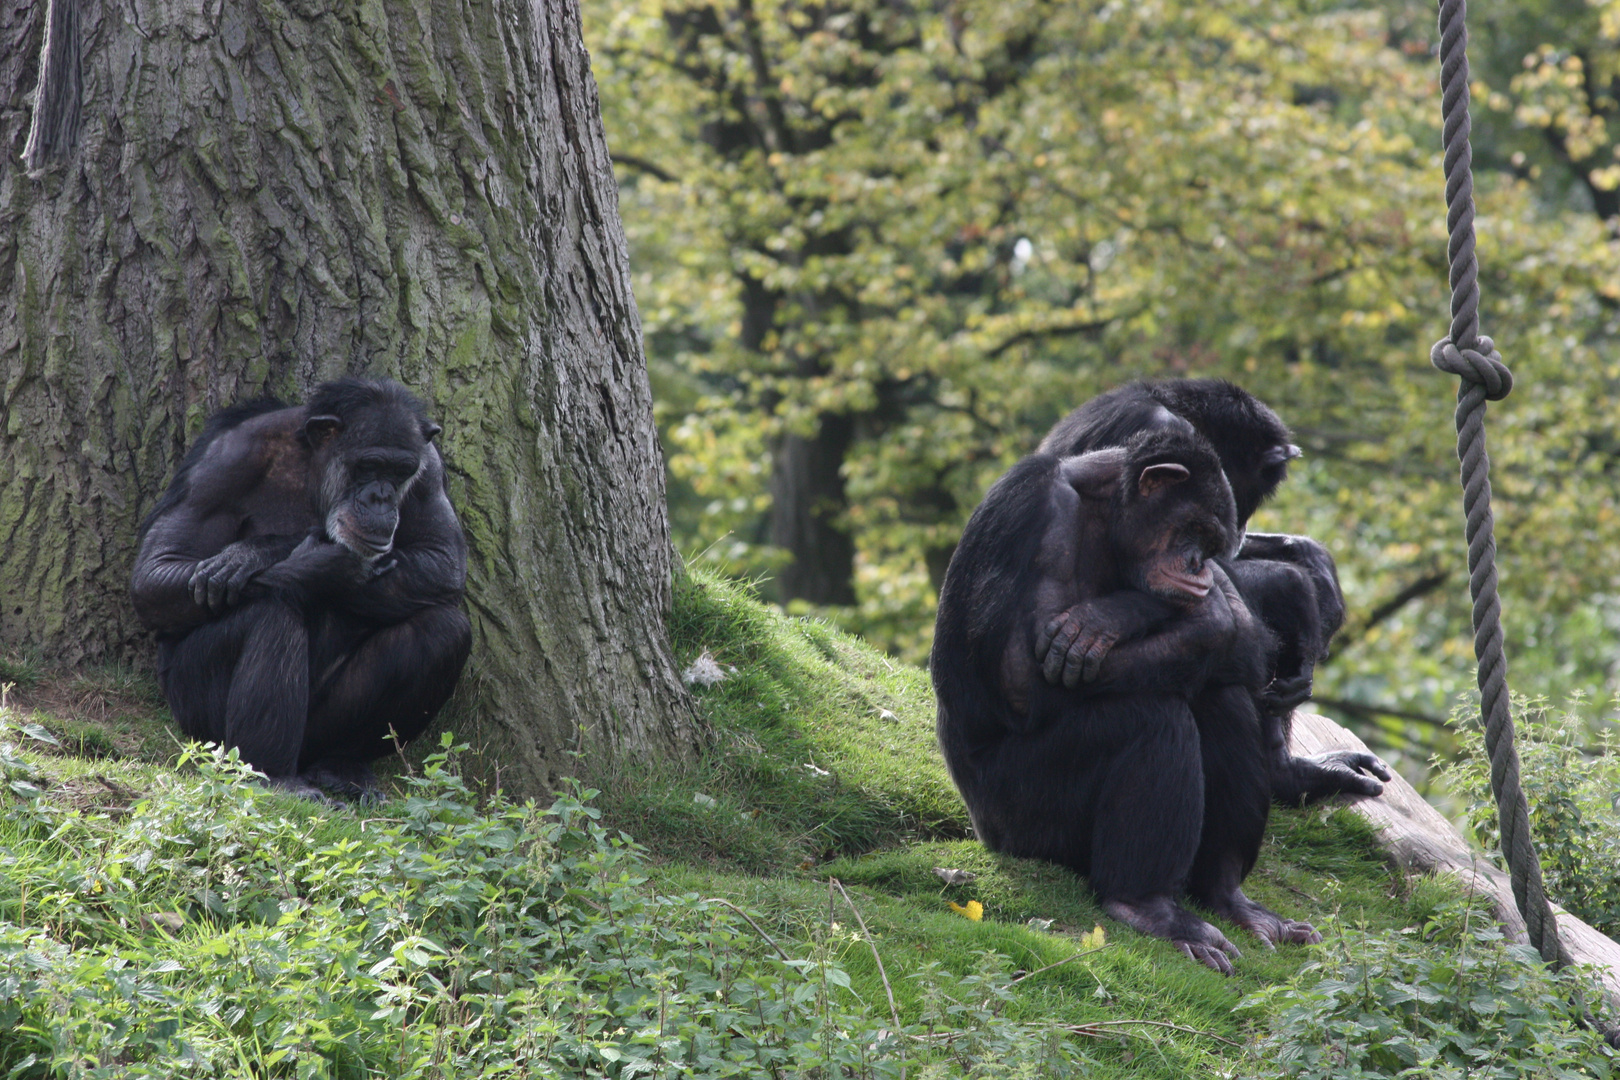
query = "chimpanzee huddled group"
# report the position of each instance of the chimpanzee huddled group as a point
(1116, 662)
(303, 574)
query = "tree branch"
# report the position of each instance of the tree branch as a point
(1070, 330)
(1371, 712)
(656, 172)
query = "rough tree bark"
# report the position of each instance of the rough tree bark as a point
(223, 199)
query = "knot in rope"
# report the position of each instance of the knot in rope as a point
(1481, 366)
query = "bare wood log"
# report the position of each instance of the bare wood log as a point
(1420, 839)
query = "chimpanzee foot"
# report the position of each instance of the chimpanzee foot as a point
(298, 785)
(1263, 923)
(346, 779)
(1162, 917)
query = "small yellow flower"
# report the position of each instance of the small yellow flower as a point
(974, 910)
(1094, 940)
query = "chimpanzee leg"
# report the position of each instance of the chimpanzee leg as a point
(243, 681)
(1237, 794)
(1113, 789)
(385, 686)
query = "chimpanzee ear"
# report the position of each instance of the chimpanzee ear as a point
(1161, 475)
(430, 429)
(1095, 475)
(320, 429)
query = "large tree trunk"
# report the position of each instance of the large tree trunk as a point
(254, 197)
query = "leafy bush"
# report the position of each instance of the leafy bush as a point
(217, 928)
(1573, 787)
(1449, 1000)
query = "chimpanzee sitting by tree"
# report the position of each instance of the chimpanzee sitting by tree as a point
(1289, 582)
(303, 574)
(1144, 770)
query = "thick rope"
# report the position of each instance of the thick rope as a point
(1474, 359)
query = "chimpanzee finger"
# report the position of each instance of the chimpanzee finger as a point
(1353, 783)
(1097, 651)
(1074, 662)
(1373, 764)
(238, 582)
(1043, 639)
(1058, 652)
(216, 592)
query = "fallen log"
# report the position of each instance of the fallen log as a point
(1419, 839)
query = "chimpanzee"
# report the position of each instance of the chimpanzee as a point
(1144, 770)
(1289, 582)
(304, 574)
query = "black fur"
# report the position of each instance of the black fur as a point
(1289, 582)
(1148, 775)
(304, 577)
(222, 421)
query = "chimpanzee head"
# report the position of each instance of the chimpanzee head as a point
(1173, 511)
(1254, 445)
(368, 442)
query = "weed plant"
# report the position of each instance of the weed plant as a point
(216, 930)
(1446, 1000)
(1572, 782)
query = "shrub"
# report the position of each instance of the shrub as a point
(220, 929)
(1572, 783)
(1447, 1000)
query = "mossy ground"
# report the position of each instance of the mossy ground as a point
(823, 766)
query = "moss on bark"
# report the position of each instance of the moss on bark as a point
(264, 195)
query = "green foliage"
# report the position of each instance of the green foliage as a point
(190, 923)
(822, 745)
(1449, 1000)
(950, 223)
(1572, 782)
(219, 929)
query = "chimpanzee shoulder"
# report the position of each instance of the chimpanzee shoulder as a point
(216, 425)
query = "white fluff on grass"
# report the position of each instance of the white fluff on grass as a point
(705, 672)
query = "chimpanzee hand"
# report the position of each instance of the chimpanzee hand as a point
(320, 565)
(1282, 696)
(218, 580)
(1337, 772)
(1073, 643)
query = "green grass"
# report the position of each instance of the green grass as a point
(822, 767)
(886, 815)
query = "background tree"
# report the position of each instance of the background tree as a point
(983, 213)
(206, 204)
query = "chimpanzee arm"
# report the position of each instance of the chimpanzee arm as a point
(1071, 645)
(1306, 779)
(219, 581)
(1292, 584)
(1314, 562)
(1182, 656)
(193, 527)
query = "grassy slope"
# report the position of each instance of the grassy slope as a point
(886, 815)
(824, 765)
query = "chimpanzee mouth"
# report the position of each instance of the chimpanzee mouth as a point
(369, 550)
(1196, 585)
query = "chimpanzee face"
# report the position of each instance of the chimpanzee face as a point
(365, 465)
(1173, 517)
